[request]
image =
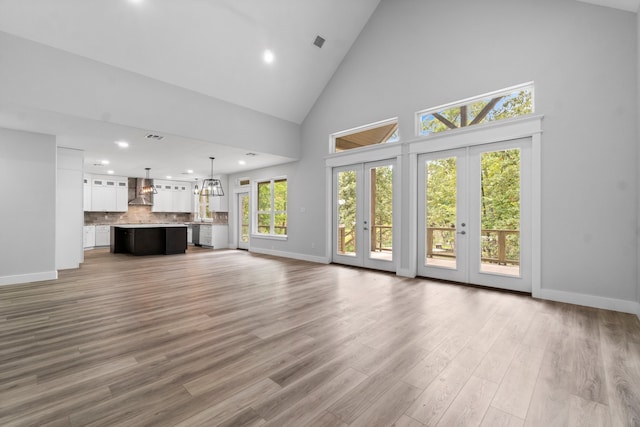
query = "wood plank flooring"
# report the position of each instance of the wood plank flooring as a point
(228, 338)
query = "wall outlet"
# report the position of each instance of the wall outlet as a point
(313, 245)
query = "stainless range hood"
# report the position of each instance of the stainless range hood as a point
(140, 198)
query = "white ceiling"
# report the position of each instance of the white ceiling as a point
(213, 47)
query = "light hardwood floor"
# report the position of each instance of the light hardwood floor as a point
(233, 339)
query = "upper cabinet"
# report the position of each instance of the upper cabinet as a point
(172, 196)
(105, 193)
(111, 194)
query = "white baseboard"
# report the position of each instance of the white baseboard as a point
(293, 255)
(623, 306)
(27, 278)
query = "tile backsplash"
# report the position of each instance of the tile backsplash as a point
(143, 215)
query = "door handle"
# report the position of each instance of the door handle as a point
(461, 232)
(365, 228)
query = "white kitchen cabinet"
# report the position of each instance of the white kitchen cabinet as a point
(220, 236)
(182, 197)
(102, 235)
(89, 236)
(163, 199)
(122, 196)
(103, 194)
(87, 193)
(109, 194)
(173, 196)
(211, 235)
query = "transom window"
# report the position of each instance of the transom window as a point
(363, 136)
(271, 207)
(504, 104)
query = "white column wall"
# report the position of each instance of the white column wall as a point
(28, 208)
(69, 208)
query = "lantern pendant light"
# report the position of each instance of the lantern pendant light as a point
(211, 186)
(147, 185)
(196, 191)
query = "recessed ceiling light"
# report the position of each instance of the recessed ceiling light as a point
(104, 162)
(168, 176)
(268, 56)
(110, 172)
(242, 162)
(136, 1)
(189, 170)
(122, 144)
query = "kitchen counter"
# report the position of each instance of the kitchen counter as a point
(149, 239)
(149, 225)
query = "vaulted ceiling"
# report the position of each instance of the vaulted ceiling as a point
(212, 47)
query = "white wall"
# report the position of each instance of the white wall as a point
(69, 208)
(37, 76)
(415, 54)
(28, 209)
(303, 234)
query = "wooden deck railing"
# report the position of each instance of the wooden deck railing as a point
(502, 257)
(380, 241)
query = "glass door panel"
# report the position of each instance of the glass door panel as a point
(381, 212)
(500, 212)
(243, 220)
(346, 239)
(441, 210)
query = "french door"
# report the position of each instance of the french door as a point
(474, 210)
(243, 220)
(363, 215)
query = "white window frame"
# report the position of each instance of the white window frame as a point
(272, 212)
(466, 101)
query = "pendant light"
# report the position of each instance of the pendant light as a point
(196, 191)
(147, 185)
(211, 186)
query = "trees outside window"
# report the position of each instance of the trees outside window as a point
(271, 212)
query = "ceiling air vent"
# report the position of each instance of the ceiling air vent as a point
(319, 41)
(154, 137)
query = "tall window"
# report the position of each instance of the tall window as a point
(271, 209)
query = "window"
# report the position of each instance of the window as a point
(507, 103)
(375, 133)
(271, 207)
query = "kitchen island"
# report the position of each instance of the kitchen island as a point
(149, 239)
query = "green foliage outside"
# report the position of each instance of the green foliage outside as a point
(279, 209)
(245, 219)
(512, 105)
(500, 201)
(381, 211)
(346, 212)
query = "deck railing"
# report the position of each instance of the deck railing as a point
(497, 246)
